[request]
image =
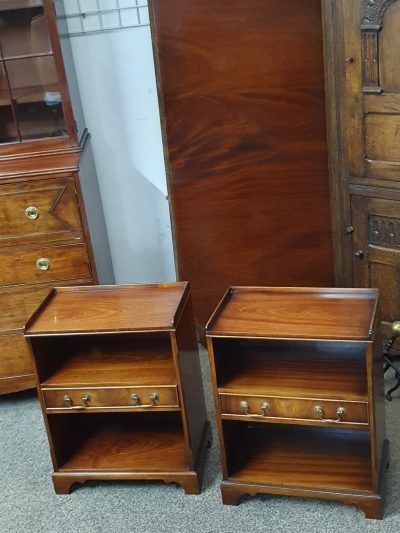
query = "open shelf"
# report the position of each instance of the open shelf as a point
(120, 442)
(105, 360)
(303, 370)
(295, 456)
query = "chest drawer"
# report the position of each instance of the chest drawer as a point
(273, 408)
(133, 398)
(19, 302)
(39, 211)
(43, 264)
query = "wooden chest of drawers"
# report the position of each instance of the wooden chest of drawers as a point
(120, 384)
(44, 241)
(298, 386)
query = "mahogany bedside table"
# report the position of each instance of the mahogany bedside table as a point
(119, 382)
(298, 385)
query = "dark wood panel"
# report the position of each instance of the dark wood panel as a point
(242, 95)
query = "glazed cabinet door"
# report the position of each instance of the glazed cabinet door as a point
(376, 252)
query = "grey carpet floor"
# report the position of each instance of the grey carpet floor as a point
(28, 503)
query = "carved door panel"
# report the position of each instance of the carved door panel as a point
(376, 253)
(367, 93)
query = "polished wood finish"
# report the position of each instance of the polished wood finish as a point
(112, 397)
(243, 112)
(134, 308)
(44, 165)
(300, 412)
(313, 313)
(289, 410)
(119, 382)
(366, 90)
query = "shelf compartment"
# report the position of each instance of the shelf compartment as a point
(119, 442)
(105, 361)
(330, 370)
(303, 457)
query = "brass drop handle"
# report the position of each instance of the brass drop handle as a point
(153, 397)
(359, 254)
(340, 411)
(86, 399)
(245, 408)
(32, 212)
(43, 264)
(68, 403)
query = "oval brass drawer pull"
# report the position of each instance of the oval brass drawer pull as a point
(245, 408)
(43, 263)
(340, 411)
(135, 398)
(32, 212)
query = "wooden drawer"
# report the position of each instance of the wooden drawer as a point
(133, 398)
(18, 303)
(273, 408)
(39, 210)
(19, 266)
(15, 358)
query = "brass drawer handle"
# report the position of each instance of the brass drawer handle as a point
(340, 411)
(68, 403)
(43, 264)
(32, 212)
(245, 408)
(135, 398)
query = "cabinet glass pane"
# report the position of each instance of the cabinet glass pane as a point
(23, 28)
(36, 97)
(8, 129)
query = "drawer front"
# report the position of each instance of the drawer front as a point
(133, 398)
(43, 264)
(313, 410)
(15, 357)
(39, 210)
(19, 303)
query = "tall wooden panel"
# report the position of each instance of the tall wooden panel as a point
(242, 97)
(368, 93)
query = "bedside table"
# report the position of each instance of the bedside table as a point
(119, 383)
(298, 387)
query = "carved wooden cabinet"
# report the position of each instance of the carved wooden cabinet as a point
(120, 384)
(364, 56)
(46, 168)
(298, 385)
(241, 88)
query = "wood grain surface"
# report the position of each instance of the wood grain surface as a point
(295, 313)
(303, 457)
(243, 111)
(110, 308)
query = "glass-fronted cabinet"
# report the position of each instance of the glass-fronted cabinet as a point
(32, 100)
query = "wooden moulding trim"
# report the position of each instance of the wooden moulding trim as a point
(255, 488)
(181, 305)
(57, 150)
(219, 309)
(217, 334)
(87, 288)
(48, 298)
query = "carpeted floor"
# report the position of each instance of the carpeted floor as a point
(28, 503)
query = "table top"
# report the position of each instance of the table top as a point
(295, 313)
(109, 308)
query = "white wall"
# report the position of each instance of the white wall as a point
(116, 80)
